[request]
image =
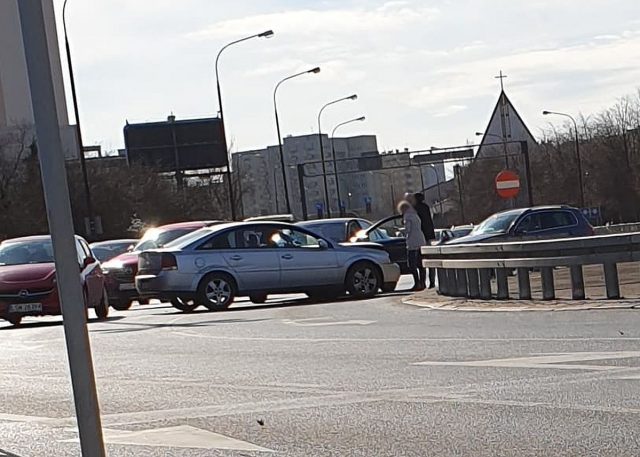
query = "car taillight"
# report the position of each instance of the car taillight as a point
(169, 262)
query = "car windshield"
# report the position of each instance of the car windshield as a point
(26, 252)
(157, 238)
(498, 223)
(109, 251)
(335, 231)
(189, 238)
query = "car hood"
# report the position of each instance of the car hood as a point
(128, 258)
(362, 244)
(476, 238)
(33, 272)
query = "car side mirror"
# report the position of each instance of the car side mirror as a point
(323, 244)
(88, 261)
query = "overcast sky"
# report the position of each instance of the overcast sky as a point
(423, 70)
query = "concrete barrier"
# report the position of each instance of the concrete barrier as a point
(465, 270)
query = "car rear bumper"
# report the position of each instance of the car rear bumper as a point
(160, 286)
(390, 272)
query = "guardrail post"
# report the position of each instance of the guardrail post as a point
(611, 280)
(461, 280)
(548, 287)
(524, 284)
(577, 283)
(452, 285)
(485, 283)
(473, 283)
(442, 281)
(503, 283)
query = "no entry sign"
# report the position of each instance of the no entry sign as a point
(507, 184)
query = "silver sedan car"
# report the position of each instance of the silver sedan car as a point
(212, 266)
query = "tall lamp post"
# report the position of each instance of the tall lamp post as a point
(324, 167)
(504, 144)
(275, 110)
(579, 159)
(265, 34)
(333, 155)
(76, 113)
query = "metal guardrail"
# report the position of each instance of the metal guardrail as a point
(466, 270)
(617, 228)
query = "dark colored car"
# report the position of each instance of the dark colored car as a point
(120, 272)
(387, 233)
(28, 279)
(529, 224)
(107, 250)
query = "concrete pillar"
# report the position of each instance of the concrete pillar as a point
(485, 283)
(524, 284)
(473, 283)
(503, 284)
(548, 287)
(611, 280)
(461, 279)
(577, 283)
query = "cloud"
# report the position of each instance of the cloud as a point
(450, 110)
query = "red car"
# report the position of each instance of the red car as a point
(120, 272)
(28, 279)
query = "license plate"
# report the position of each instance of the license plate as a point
(128, 286)
(25, 307)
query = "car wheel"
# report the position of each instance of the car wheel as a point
(121, 305)
(326, 294)
(258, 298)
(217, 291)
(102, 308)
(388, 287)
(15, 320)
(143, 301)
(184, 305)
(363, 280)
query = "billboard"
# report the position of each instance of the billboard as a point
(176, 144)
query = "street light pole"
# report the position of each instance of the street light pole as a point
(74, 98)
(275, 110)
(333, 155)
(579, 159)
(266, 34)
(324, 167)
(504, 144)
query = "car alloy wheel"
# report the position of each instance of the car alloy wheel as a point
(216, 291)
(363, 280)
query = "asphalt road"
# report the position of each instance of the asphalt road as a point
(367, 378)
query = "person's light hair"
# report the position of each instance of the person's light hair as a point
(404, 205)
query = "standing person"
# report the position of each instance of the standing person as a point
(415, 240)
(426, 223)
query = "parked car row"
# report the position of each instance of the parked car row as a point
(209, 263)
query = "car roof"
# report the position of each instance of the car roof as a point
(109, 242)
(185, 225)
(24, 239)
(337, 220)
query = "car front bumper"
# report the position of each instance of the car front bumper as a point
(390, 272)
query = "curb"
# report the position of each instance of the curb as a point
(438, 303)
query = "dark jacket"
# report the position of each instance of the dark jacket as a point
(425, 218)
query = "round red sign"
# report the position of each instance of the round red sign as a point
(507, 184)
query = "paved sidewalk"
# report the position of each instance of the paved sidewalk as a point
(629, 274)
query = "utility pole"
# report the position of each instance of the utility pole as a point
(56, 195)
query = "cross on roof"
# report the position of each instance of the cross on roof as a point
(501, 78)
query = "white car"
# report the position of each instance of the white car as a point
(213, 265)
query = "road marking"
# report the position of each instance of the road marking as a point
(561, 361)
(323, 322)
(181, 436)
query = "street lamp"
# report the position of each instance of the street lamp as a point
(333, 155)
(275, 110)
(324, 168)
(433, 167)
(265, 34)
(83, 165)
(504, 144)
(579, 159)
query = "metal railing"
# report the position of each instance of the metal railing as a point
(467, 270)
